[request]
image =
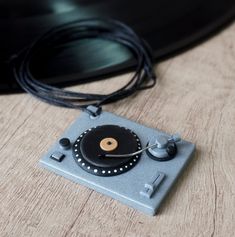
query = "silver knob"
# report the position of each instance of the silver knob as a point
(161, 142)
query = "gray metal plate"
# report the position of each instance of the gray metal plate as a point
(126, 187)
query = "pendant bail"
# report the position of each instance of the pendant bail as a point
(93, 111)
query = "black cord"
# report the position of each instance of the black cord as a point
(60, 36)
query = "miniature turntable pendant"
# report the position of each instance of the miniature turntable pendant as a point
(132, 163)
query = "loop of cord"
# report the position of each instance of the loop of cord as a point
(60, 37)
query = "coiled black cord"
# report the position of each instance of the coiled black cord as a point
(60, 36)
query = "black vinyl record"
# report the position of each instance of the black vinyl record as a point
(167, 25)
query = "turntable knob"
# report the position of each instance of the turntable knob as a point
(161, 142)
(64, 143)
(165, 148)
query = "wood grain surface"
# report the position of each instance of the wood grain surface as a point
(195, 96)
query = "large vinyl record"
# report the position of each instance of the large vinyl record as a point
(167, 25)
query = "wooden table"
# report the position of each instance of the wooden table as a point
(195, 96)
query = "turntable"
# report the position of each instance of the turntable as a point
(127, 161)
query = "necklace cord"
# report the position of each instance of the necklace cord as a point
(60, 37)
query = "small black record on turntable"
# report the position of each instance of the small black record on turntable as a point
(91, 146)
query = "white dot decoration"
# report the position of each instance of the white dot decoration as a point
(88, 167)
(121, 169)
(103, 172)
(115, 171)
(95, 170)
(83, 164)
(79, 160)
(109, 172)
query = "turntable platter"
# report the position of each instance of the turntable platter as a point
(91, 146)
